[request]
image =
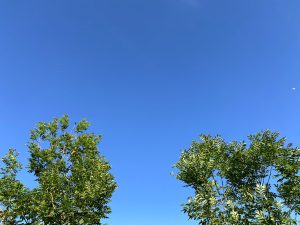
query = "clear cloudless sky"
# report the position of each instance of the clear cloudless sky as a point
(150, 76)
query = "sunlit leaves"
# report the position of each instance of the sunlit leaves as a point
(74, 181)
(12, 192)
(240, 183)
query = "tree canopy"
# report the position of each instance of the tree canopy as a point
(74, 181)
(254, 182)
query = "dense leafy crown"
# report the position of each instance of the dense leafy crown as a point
(74, 182)
(240, 183)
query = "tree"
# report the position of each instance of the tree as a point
(12, 192)
(240, 183)
(74, 182)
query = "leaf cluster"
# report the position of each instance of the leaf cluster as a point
(74, 181)
(236, 183)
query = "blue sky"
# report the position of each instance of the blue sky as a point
(150, 76)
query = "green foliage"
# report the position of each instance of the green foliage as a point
(239, 184)
(12, 192)
(74, 182)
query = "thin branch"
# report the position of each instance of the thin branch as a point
(270, 173)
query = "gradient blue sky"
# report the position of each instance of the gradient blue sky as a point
(150, 76)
